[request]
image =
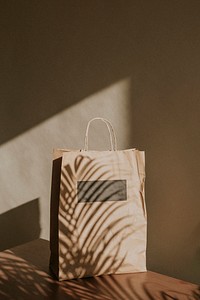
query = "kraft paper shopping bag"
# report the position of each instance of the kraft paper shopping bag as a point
(98, 212)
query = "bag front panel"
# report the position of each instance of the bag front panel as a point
(102, 219)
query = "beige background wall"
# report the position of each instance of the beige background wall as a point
(136, 63)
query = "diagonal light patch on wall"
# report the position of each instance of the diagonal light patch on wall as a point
(26, 160)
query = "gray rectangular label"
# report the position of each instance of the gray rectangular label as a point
(101, 190)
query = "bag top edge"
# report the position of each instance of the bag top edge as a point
(81, 150)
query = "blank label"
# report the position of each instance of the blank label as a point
(101, 190)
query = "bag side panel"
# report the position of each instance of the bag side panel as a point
(54, 207)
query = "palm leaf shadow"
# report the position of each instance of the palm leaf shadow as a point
(27, 278)
(179, 291)
(85, 242)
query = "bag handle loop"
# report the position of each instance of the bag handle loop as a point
(113, 141)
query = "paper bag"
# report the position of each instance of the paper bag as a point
(98, 213)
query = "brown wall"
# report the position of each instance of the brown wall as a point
(136, 63)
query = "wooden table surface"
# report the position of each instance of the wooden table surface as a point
(24, 274)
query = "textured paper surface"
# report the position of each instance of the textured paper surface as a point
(100, 237)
